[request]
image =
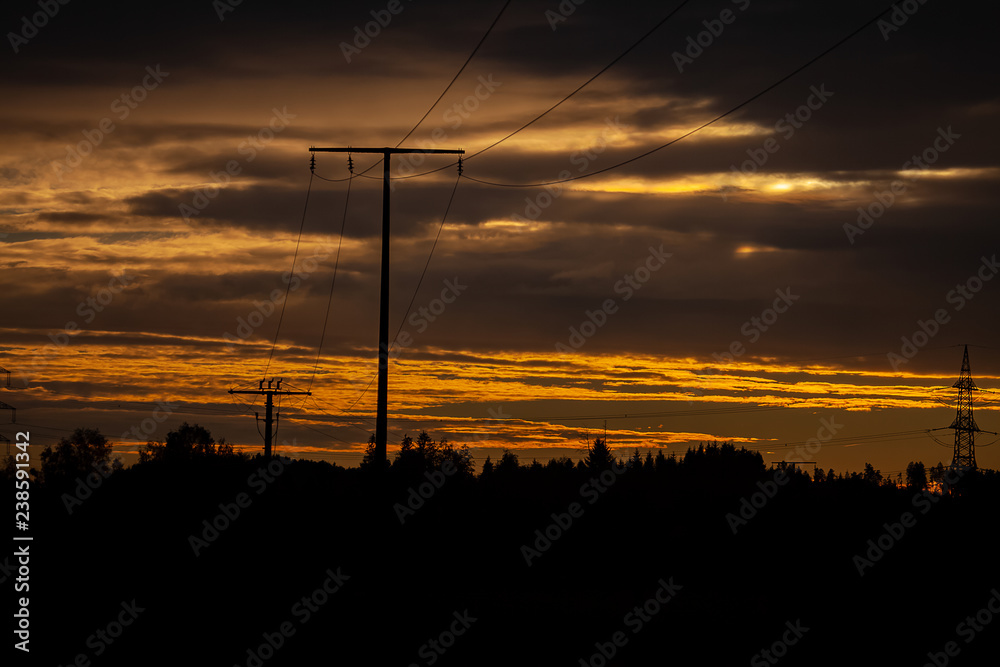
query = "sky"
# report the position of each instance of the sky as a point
(808, 265)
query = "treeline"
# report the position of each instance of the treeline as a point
(551, 559)
(88, 452)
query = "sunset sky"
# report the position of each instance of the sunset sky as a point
(129, 274)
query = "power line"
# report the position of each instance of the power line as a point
(560, 102)
(858, 439)
(461, 69)
(697, 129)
(665, 413)
(420, 281)
(336, 265)
(288, 285)
(457, 74)
(585, 83)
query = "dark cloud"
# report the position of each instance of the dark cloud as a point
(734, 242)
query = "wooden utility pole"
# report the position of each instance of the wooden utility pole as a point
(269, 393)
(381, 415)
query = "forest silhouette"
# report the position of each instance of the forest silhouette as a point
(621, 558)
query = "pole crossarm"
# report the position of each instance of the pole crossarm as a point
(389, 151)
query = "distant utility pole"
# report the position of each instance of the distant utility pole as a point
(381, 416)
(4, 406)
(792, 464)
(269, 393)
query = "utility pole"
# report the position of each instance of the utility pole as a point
(269, 392)
(381, 414)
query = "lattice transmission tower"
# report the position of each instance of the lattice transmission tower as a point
(964, 424)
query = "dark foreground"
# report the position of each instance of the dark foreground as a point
(318, 568)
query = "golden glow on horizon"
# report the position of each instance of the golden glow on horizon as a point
(426, 390)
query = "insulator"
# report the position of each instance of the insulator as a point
(350, 163)
(312, 162)
(459, 166)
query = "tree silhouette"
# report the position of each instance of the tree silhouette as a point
(78, 455)
(508, 463)
(635, 461)
(368, 460)
(461, 458)
(916, 475)
(599, 456)
(423, 455)
(487, 468)
(427, 449)
(408, 460)
(189, 441)
(663, 463)
(870, 475)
